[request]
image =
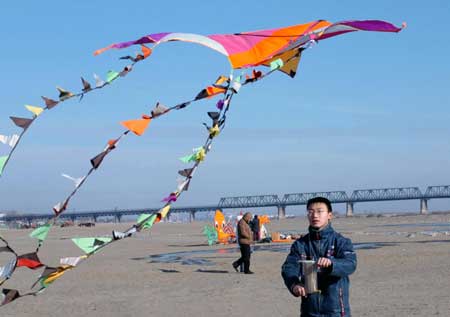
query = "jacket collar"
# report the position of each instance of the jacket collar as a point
(322, 233)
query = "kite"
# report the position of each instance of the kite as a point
(273, 50)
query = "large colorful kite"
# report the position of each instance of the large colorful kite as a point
(272, 50)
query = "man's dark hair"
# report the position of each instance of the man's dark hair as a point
(319, 200)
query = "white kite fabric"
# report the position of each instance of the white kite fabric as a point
(285, 60)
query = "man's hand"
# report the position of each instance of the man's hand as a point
(299, 291)
(324, 262)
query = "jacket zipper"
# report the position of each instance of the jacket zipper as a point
(320, 253)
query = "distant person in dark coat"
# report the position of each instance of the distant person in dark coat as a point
(255, 226)
(245, 240)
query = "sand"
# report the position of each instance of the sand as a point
(409, 275)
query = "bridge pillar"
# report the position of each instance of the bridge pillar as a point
(94, 218)
(349, 211)
(281, 212)
(423, 206)
(191, 216)
(118, 218)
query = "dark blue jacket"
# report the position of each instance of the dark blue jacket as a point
(333, 282)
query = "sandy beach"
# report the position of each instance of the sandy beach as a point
(403, 270)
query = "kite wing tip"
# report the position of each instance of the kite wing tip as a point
(101, 50)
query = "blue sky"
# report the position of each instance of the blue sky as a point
(366, 110)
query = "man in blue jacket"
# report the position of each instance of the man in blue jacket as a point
(335, 260)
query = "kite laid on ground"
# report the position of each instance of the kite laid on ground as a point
(277, 49)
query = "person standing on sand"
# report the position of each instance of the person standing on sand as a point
(245, 239)
(334, 258)
(255, 228)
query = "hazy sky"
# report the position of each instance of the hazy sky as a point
(366, 110)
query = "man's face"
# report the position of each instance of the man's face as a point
(318, 215)
(247, 218)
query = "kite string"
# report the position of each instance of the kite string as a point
(206, 147)
(127, 69)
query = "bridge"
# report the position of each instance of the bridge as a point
(295, 199)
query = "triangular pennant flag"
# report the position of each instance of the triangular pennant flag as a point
(89, 245)
(72, 261)
(162, 213)
(159, 110)
(4, 139)
(200, 155)
(117, 235)
(214, 131)
(9, 140)
(255, 75)
(131, 231)
(290, 59)
(187, 172)
(112, 144)
(77, 181)
(236, 86)
(51, 274)
(8, 295)
(41, 232)
(126, 70)
(23, 123)
(35, 110)
(111, 75)
(171, 198)
(202, 94)
(137, 126)
(50, 103)
(275, 64)
(60, 207)
(182, 105)
(29, 260)
(97, 160)
(209, 92)
(64, 94)
(98, 81)
(212, 91)
(13, 140)
(220, 104)
(145, 221)
(146, 51)
(183, 185)
(86, 85)
(222, 79)
(3, 160)
(214, 115)
(188, 158)
(7, 270)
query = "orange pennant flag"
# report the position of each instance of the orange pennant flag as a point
(212, 91)
(146, 51)
(137, 126)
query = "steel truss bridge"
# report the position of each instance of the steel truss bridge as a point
(295, 199)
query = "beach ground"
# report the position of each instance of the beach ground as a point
(403, 270)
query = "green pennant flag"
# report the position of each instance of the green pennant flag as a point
(111, 75)
(2, 163)
(41, 232)
(278, 63)
(188, 158)
(89, 245)
(148, 223)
